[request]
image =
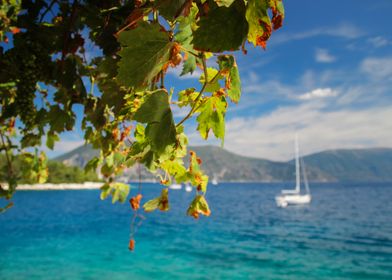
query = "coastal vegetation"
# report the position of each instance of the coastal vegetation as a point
(57, 172)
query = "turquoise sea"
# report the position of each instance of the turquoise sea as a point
(345, 233)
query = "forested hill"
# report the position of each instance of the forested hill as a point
(348, 165)
(366, 165)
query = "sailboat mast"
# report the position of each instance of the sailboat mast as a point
(297, 168)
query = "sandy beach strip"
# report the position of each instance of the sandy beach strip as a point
(62, 186)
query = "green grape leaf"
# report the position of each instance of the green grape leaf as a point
(213, 80)
(187, 97)
(222, 29)
(184, 37)
(189, 65)
(162, 133)
(92, 164)
(145, 51)
(105, 191)
(156, 112)
(151, 205)
(60, 120)
(171, 9)
(212, 116)
(51, 138)
(118, 191)
(186, 24)
(234, 86)
(176, 169)
(30, 140)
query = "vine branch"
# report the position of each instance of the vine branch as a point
(206, 82)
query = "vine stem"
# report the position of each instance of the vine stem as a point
(132, 19)
(206, 82)
(203, 59)
(10, 170)
(190, 52)
(92, 82)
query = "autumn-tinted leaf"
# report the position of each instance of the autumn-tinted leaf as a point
(135, 201)
(161, 202)
(195, 174)
(229, 69)
(199, 206)
(259, 22)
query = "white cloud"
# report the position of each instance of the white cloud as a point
(323, 56)
(342, 110)
(177, 72)
(379, 41)
(180, 112)
(344, 30)
(377, 68)
(318, 93)
(271, 136)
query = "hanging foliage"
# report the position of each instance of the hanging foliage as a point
(110, 58)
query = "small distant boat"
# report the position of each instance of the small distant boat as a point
(214, 181)
(294, 197)
(175, 186)
(188, 188)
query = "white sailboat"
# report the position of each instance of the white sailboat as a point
(175, 186)
(188, 188)
(294, 197)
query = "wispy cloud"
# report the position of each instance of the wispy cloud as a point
(379, 41)
(377, 68)
(271, 136)
(177, 72)
(337, 108)
(318, 93)
(344, 30)
(323, 56)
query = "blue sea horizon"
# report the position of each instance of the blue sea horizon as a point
(345, 233)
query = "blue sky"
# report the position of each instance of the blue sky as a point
(327, 74)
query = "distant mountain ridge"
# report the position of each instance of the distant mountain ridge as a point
(343, 165)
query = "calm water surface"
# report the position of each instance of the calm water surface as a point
(346, 233)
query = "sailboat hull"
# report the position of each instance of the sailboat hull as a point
(293, 199)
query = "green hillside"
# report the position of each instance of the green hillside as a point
(368, 165)
(227, 166)
(349, 165)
